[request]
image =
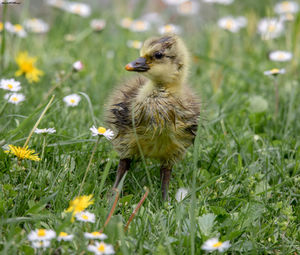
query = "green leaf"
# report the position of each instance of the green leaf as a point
(126, 199)
(206, 223)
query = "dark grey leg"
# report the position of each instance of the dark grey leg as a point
(165, 175)
(123, 167)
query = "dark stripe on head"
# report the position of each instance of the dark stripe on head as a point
(164, 40)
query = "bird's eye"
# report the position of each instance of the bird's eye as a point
(158, 55)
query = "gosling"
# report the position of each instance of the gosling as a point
(157, 114)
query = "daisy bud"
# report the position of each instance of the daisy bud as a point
(77, 66)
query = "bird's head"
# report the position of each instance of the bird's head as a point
(164, 60)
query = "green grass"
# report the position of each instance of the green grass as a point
(241, 189)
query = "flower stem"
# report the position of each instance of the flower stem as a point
(3, 36)
(43, 148)
(89, 164)
(276, 97)
(136, 209)
(3, 107)
(38, 121)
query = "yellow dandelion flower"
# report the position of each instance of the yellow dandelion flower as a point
(1, 26)
(27, 67)
(80, 203)
(22, 152)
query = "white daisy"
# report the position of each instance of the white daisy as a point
(10, 84)
(152, 17)
(72, 100)
(78, 66)
(41, 235)
(169, 28)
(274, 72)
(134, 44)
(281, 56)
(15, 29)
(14, 98)
(270, 28)
(214, 244)
(139, 26)
(256, 137)
(95, 235)
(98, 24)
(81, 9)
(85, 216)
(126, 22)
(286, 7)
(102, 131)
(57, 3)
(63, 236)
(181, 194)
(101, 248)
(41, 244)
(287, 17)
(232, 24)
(173, 2)
(45, 131)
(36, 26)
(188, 8)
(224, 2)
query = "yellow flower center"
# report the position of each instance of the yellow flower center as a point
(168, 28)
(63, 234)
(136, 44)
(15, 99)
(10, 86)
(126, 22)
(286, 6)
(95, 233)
(77, 9)
(85, 217)
(274, 70)
(101, 130)
(140, 25)
(41, 232)
(186, 7)
(1, 26)
(101, 247)
(271, 28)
(18, 27)
(281, 55)
(72, 100)
(229, 24)
(218, 244)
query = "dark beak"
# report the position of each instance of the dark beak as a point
(138, 65)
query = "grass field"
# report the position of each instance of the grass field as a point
(242, 174)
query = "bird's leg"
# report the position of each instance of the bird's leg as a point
(123, 167)
(165, 175)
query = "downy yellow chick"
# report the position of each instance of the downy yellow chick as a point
(158, 112)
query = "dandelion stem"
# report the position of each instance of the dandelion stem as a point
(136, 209)
(38, 121)
(89, 164)
(3, 36)
(111, 210)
